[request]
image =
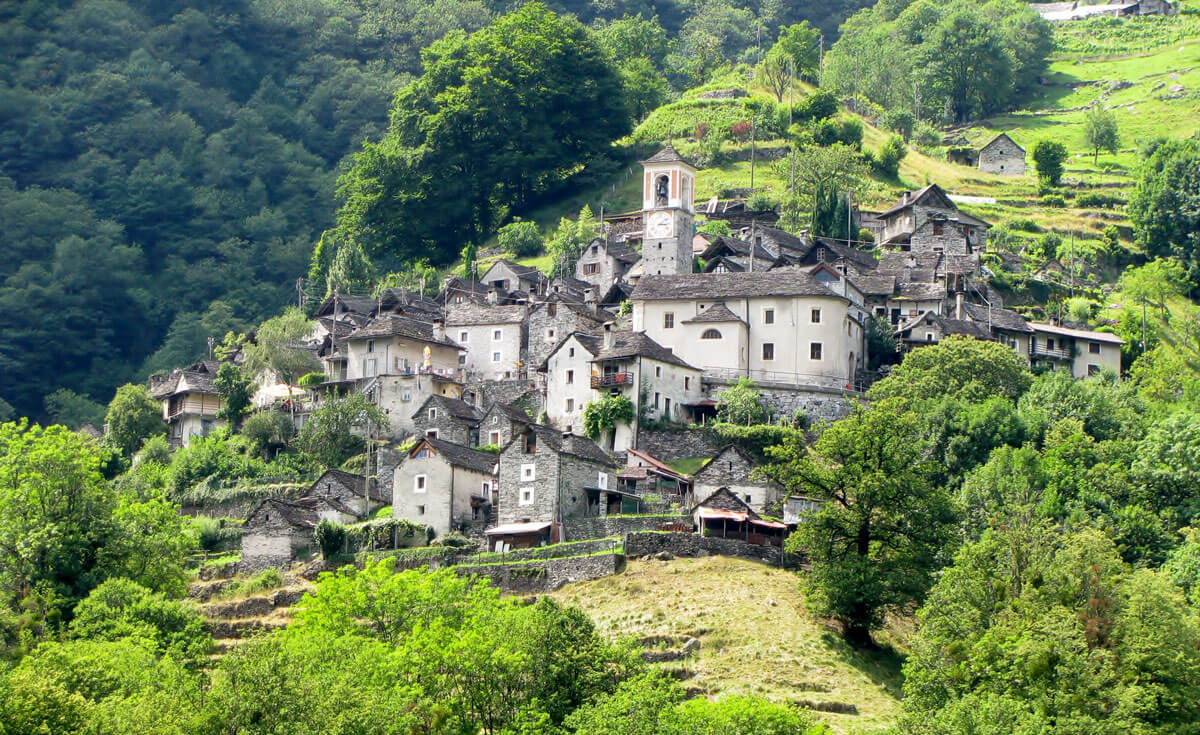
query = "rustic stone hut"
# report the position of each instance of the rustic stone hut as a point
(1002, 155)
(276, 532)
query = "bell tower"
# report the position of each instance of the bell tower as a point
(668, 207)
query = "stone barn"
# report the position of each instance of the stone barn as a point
(1002, 156)
(730, 470)
(276, 532)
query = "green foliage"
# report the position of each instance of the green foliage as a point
(757, 438)
(216, 534)
(330, 538)
(875, 543)
(65, 406)
(236, 388)
(1167, 464)
(568, 241)
(215, 460)
(119, 609)
(496, 118)
(274, 349)
(602, 415)
(268, 432)
(520, 238)
(1183, 565)
(742, 404)
(881, 340)
(133, 416)
(958, 367)
(957, 59)
(1165, 204)
(1038, 629)
(416, 275)
(1100, 131)
(900, 121)
(267, 579)
(680, 119)
(327, 436)
(1048, 157)
(309, 380)
(926, 136)
(351, 271)
(800, 43)
(891, 153)
(716, 227)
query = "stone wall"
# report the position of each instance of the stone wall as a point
(546, 576)
(449, 428)
(598, 528)
(668, 445)
(1002, 157)
(522, 392)
(819, 404)
(693, 544)
(545, 484)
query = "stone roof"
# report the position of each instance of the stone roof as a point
(881, 285)
(453, 407)
(729, 285)
(947, 326)
(393, 325)
(196, 378)
(666, 155)
(717, 313)
(572, 444)
(299, 514)
(459, 455)
(997, 139)
(511, 412)
(913, 198)
(472, 314)
(636, 344)
(736, 247)
(997, 317)
(347, 304)
(932, 291)
(1077, 333)
(623, 253)
(589, 342)
(398, 299)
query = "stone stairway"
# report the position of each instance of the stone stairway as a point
(232, 621)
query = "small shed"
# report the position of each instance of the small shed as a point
(518, 536)
(725, 515)
(1002, 155)
(277, 532)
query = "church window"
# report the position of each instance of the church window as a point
(660, 190)
(710, 334)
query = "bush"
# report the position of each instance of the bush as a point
(926, 136)
(1054, 200)
(1024, 225)
(761, 201)
(1048, 157)
(456, 540)
(817, 106)
(216, 534)
(520, 238)
(899, 121)
(1099, 199)
(330, 537)
(267, 579)
(887, 162)
(268, 431)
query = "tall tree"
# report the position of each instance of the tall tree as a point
(276, 349)
(957, 367)
(1165, 205)
(133, 416)
(1048, 157)
(1100, 131)
(875, 542)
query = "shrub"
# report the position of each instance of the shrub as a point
(887, 162)
(1099, 199)
(899, 121)
(330, 537)
(1048, 157)
(520, 238)
(268, 430)
(215, 534)
(456, 540)
(761, 201)
(1024, 225)
(1054, 200)
(741, 130)
(926, 136)
(311, 379)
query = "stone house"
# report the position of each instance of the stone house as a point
(1002, 155)
(779, 327)
(500, 422)
(646, 475)
(348, 491)
(1006, 326)
(444, 485)
(731, 469)
(1082, 352)
(930, 328)
(449, 419)
(722, 514)
(399, 345)
(190, 401)
(549, 321)
(602, 263)
(660, 385)
(276, 532)
(567, 374)
(545, 475)
(493, 337)
(904, 223)
(509, 276)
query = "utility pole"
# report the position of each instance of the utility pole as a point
(821, 61)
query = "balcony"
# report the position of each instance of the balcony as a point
(1053, 353)
(609, 380)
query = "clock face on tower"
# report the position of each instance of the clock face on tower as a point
(659, 224)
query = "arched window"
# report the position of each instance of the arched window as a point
(660, 190)
(710, 334)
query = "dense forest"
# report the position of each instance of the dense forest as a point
(166, 168)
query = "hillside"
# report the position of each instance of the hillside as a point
(755, 637)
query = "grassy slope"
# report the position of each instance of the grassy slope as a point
(755, 636)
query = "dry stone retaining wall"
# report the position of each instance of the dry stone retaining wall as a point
(598, 528)
(693, 544)
(546, 576)
(668, 445)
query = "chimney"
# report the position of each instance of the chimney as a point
(439, 329)
(906, 197)
(493, 296)
(608, 335)
(958, 305)
(589, 296)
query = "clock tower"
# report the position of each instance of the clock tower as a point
(668, 206)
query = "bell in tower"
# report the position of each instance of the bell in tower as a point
(668, 208)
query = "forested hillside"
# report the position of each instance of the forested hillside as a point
(166, 167)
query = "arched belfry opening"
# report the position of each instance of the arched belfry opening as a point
(661, 184)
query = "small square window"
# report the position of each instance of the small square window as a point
(406, 395)
(526, 496)
(602, 480)
(419, 484)
(1094, 348)
(669, 320)
(1093, 369)
(370, 345)
(687, 382)
(658, 371)
(570, 352)
(768, 351)
(433, 414)
(816, 316)
(495, 357)
(462, 336)
(814, 351)
(768, 316)
(929, 336)
(494, 438)
(497, 334)
(549, 334)
(528, 472)
(432, 433)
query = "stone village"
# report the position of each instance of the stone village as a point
(486, 386)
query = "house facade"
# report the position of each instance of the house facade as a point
(550, 321)
(780, 327)
(276, 532)
(602, 263)
(449, 419)
(493, 337)
(567, 373)
(1002, 155)
(190, 401)
(500, 422)
(1080, 351)
(731, 469)
(444, 485)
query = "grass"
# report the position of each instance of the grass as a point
(755, 635)
(688, 465)
(267, 579)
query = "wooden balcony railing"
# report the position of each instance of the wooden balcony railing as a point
(609, 380)
(1057, 353)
